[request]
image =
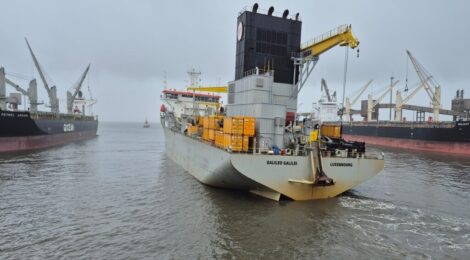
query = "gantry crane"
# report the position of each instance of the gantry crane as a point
(77, 91)
(348, 104)
(52, 91)
(371, 104)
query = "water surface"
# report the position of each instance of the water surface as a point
(118, 197)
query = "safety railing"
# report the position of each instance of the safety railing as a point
(338, 30)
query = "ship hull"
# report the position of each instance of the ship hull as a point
(417, 145)
(19, 131)
(27, 143)
(450, 138)
(267, 175)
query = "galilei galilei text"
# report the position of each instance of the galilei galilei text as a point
(269, 162)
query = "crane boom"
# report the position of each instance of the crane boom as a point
(389, 88)
(80, 82)
(416, 90)
(361, 91)
(423, 77)
(325, 87)
(341, 35)
(17, 87)
(38, 67)
(51, 91)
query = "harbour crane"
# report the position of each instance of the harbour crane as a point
(428, 83)
(51, 91)
(348, 104)
(371, 104)
(77, 91)
(311, 50)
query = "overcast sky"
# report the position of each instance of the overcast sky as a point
(131, 44)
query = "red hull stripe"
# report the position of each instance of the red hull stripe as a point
(23, 143)
(432, 146)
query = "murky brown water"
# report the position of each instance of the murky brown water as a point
(120, 197)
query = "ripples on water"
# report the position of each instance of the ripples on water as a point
(119, 196)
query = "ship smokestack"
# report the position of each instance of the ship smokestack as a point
(285, 14)
(271, 11)
(458, 93)
(297, 16)
(255, 8)
(461, 93)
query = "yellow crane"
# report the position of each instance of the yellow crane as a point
(342, 36)
(311, 50)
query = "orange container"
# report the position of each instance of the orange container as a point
(205, 134)
(236, 143)
(211, 134)
(205, 122)
(192, 130)
(211, 122)
(249, 126)
(227, 125)
(219, 139)
(233, 125)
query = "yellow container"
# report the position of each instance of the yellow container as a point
(227, 140)
(246, 143)
(211, 122)
(233, 125)
(211, 134)
(333, 131)
(249, 126)
(227, 125)
(219, 139)
(236, 143)
(192, 130)
(205, 134)
(205, 122)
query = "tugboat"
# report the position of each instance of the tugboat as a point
(146, 124)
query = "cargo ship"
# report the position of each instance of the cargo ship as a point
(425, 133)
(254, 143)
(30, 129)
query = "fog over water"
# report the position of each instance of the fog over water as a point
(131, 44)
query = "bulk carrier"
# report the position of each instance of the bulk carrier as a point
(30, 129)
(255, 142)
(425, 132)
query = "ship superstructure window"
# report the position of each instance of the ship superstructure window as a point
(171, 96)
